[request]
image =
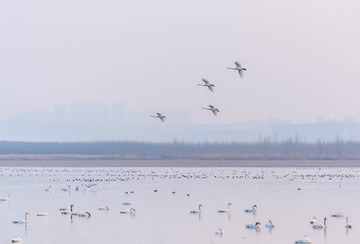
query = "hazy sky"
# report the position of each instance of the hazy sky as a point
(302, 57)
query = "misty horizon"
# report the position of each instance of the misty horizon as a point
(94, 121)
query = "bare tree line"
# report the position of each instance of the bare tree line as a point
(265, 148)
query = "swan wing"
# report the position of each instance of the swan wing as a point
(238, 64)
(241, 73)
(211, 88)
(204, 80)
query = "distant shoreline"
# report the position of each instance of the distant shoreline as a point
(96, 161)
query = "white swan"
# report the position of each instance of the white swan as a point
(212, 109)
(320, 225)
(88, 186)
(127, 203)
(21, 221)
(219, 231)
(303, 240)
(67, 210)
(253, 210)
(313, 220)
(6, 199)
(16, 239)
(160, 116)
(131, 211)
(43, 214)
(208, 85)
(337, 215)
(197, 211)
(225, 210)
(348, 225)
(239, 68)
(73, 213)
(86, 214)
(270, 224)
(66, 189)
(104, 208)
(77, 213)
(253, 226)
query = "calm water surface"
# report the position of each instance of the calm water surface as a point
(164, 217)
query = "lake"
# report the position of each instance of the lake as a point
(163, 198)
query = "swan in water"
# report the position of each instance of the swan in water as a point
(219, 231)
(253, 210)
(77, 213)
(239, 68)
(212, 109)
(43, 214)
(197, 211)
(320, 225)
(88, 186)
(303, 240)
(71, 211)
(16, 239)
(160, 116)
(128, 211)
(21, 221)
(66, 189)
(253, 226)
(225, 210)
(208, 85)
(86, 214)
(127, 203)
(67, 210)
(6, 199)
(313, 220)
(337, 215)
(270, 224)
(348, 225)
(104, 208)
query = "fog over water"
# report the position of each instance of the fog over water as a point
(301, 57)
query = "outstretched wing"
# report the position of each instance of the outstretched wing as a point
(241, 73)
(159, 114)
(215, 112)
(204, 80)
(211, 88)
(162, 118)
(211, 106)
(238, 64)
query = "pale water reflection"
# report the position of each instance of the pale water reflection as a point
(164, 197)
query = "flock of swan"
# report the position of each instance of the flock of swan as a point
(270, 224)
(210, 86)
(66, 210)
(176, 174)
(70, 211)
